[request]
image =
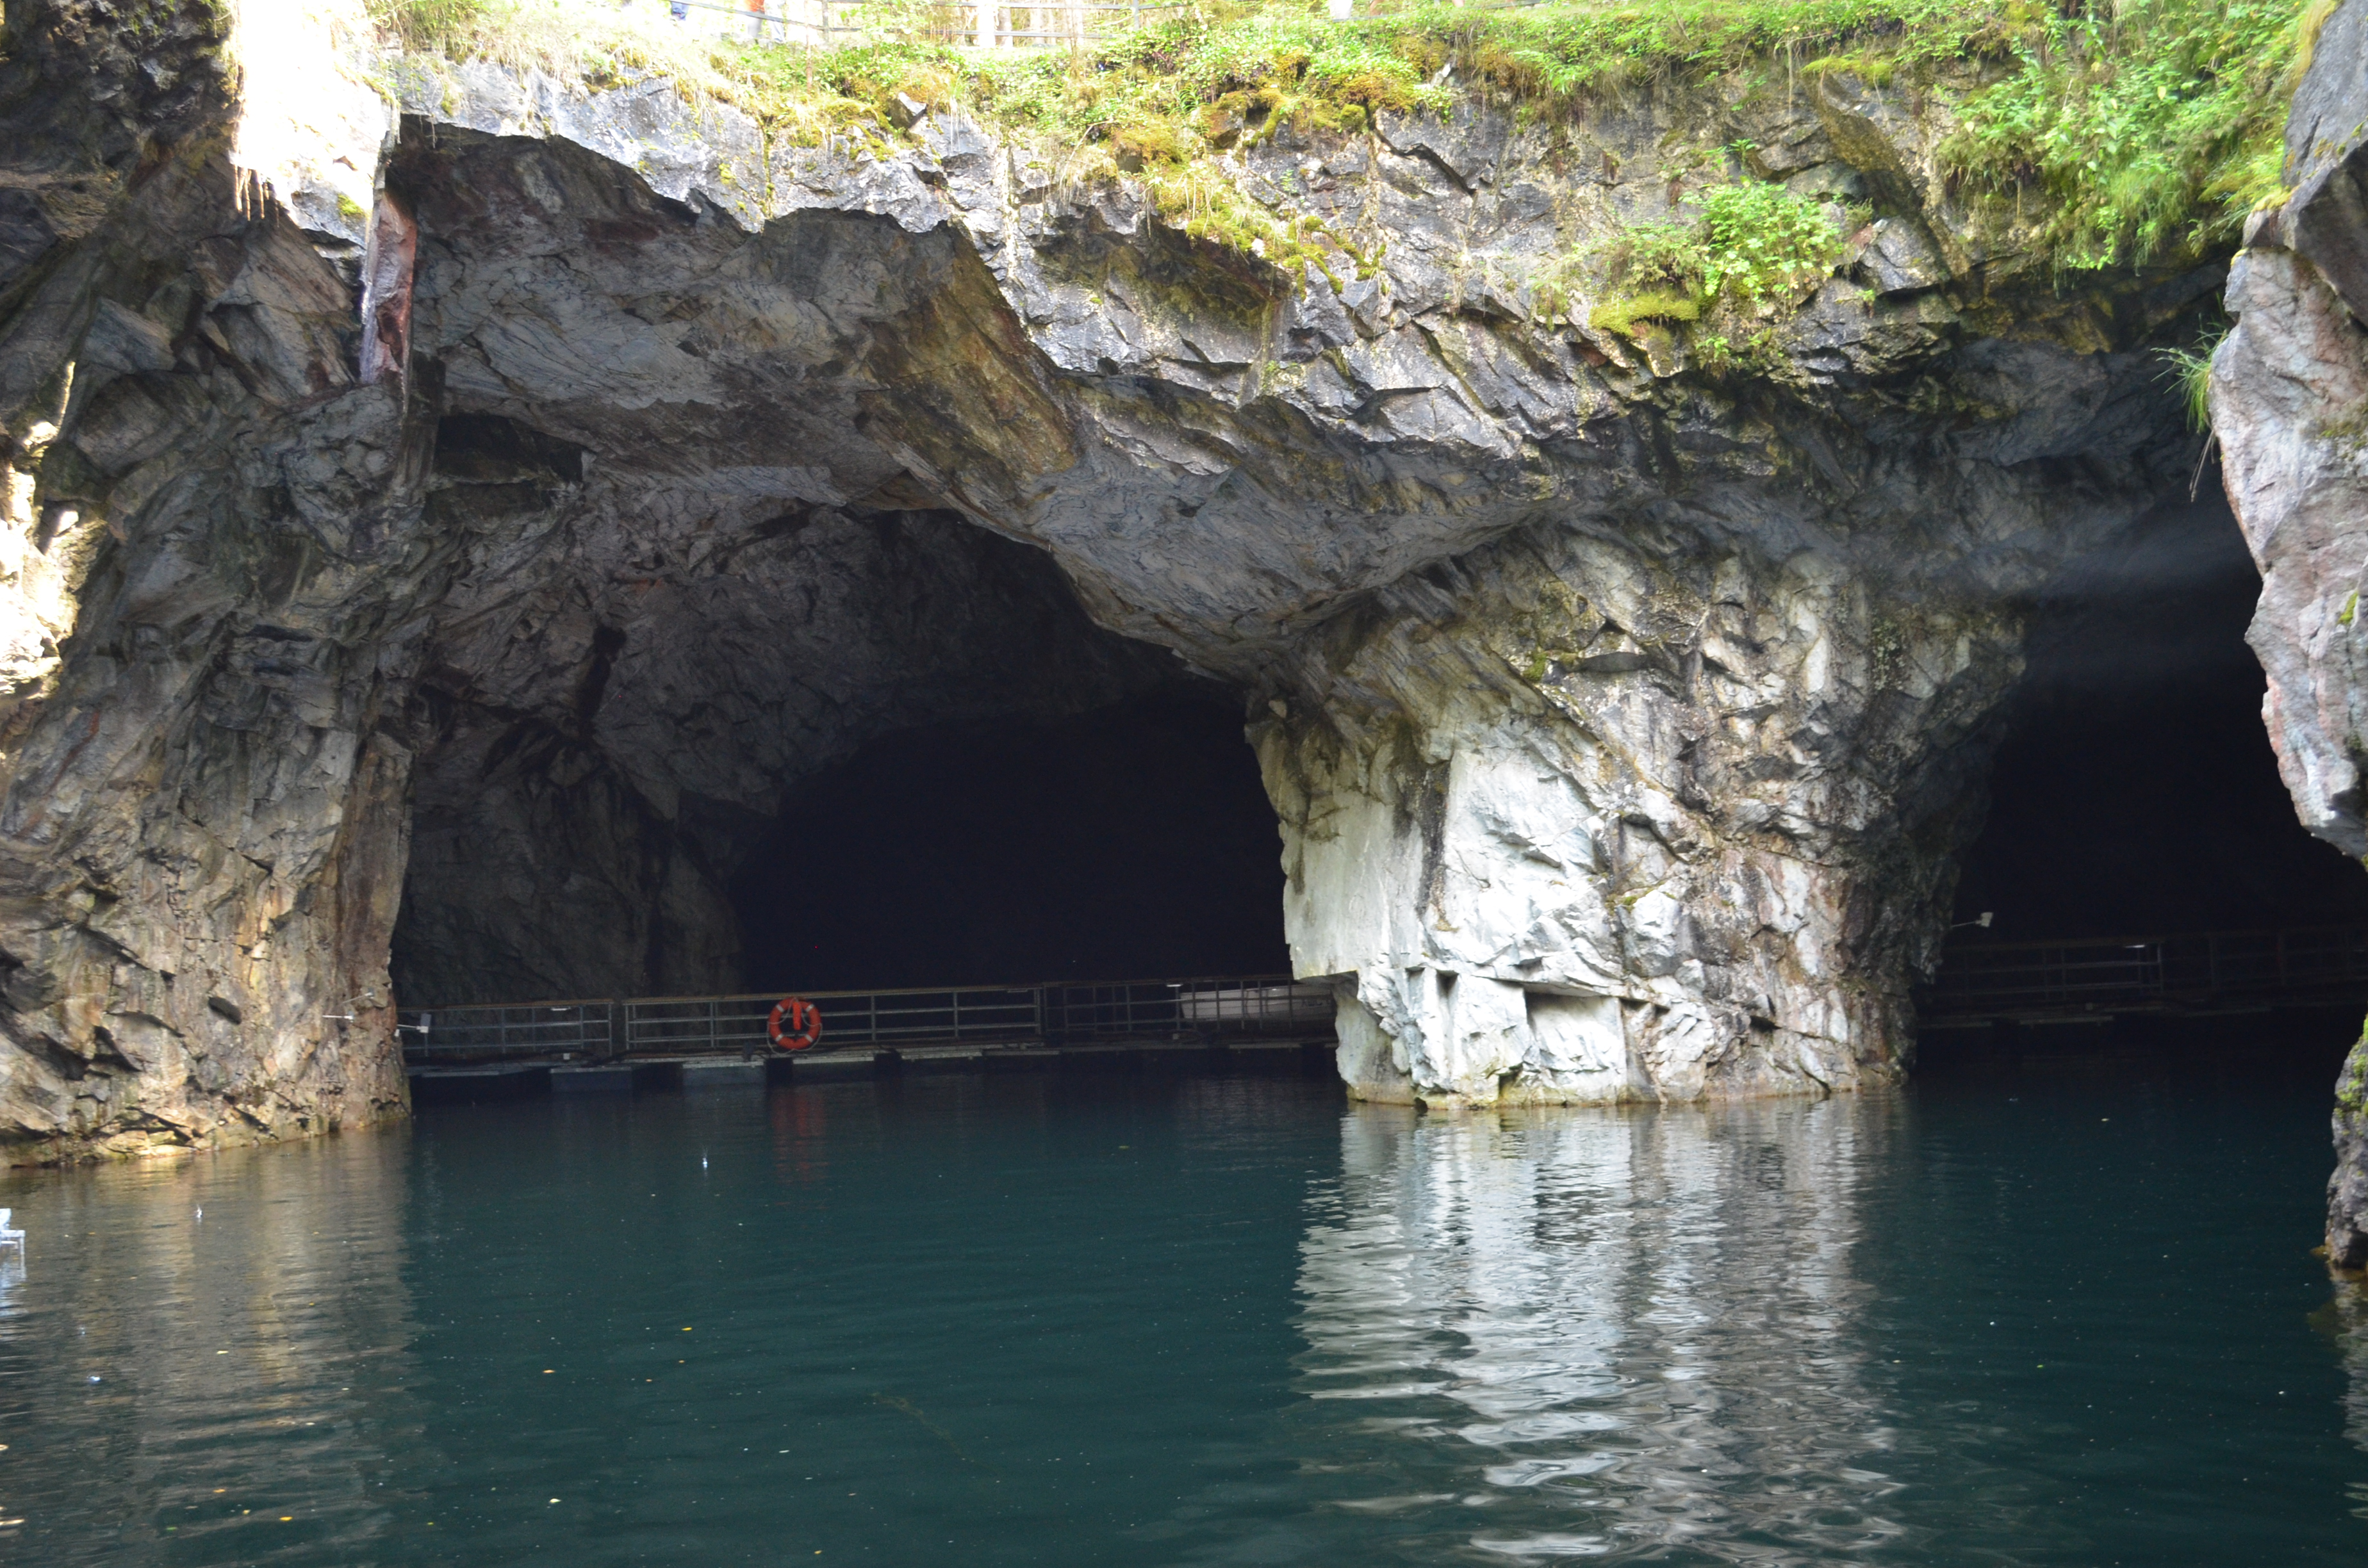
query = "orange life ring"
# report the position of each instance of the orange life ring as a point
(795, 1024)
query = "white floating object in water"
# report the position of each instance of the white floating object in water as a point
(9, 1238)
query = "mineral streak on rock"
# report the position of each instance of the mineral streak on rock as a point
(1621, 714)
(2289, 393)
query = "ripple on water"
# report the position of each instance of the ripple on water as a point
(1197, 1320)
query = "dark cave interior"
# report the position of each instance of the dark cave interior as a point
(2135, 794)
(1132, 842)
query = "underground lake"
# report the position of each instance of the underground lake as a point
(2064, 1314)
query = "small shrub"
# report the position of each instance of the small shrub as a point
(1754, 242)
(1657, 258)
(1761, 242)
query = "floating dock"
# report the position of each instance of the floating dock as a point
(521, 1079)
(622, 1045)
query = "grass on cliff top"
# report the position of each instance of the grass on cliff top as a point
(2127, 130)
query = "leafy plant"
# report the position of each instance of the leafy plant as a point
(2153, 125)
(1763, 243)
(1753, 241)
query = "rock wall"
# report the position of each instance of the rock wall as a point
(2289, 392)
(208, 523)
(1662, 805)
(582, 466)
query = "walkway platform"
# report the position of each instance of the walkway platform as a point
(623, 1045)
(1060, 1013)
(432, 1082)
(2209, 973)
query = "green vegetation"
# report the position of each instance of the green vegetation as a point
(2126, 130)
(1755, 243)
(2192, 368)
(2150, 127)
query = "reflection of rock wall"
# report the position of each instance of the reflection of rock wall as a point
(276, 1323)
(1613, 1331)
(2350, 1313)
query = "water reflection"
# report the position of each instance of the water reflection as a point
(1605, 1332)
(2347, 1315)
(201, 1346)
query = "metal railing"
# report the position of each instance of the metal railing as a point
(819, 23)
(511, 1030)
(2150, 973)
(697, 1024)
(1206, 1008)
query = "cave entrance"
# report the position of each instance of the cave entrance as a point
(2134, 794)
(1134, 841)
(722, 749)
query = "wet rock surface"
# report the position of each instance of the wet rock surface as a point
(2347, 1189)
(2289, 391)
(1621, 716)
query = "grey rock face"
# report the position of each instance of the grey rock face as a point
(1620, 718)
(2289, 391)
(2347, 1189)
(201, 832)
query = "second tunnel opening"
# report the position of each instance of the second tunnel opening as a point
(2135, 796)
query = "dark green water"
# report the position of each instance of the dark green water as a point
(1054, 1321)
